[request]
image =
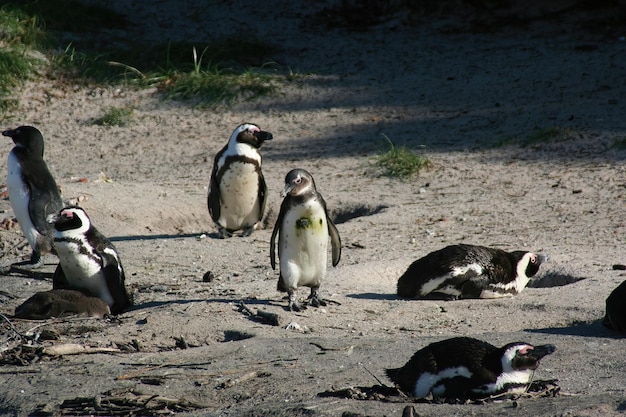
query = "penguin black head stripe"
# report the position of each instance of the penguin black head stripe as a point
(237, 191)
(33, 193)
(466, 368)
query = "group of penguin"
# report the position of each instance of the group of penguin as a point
(89, 278)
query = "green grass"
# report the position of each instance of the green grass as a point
(619, 143)
(400, 162)
(220, 71)
(115, 116)
(19, 33)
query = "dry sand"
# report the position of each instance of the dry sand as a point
(437, 87)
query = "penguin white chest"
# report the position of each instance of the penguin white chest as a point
(19, 196)
(303, 245)
(239, 196)
(82, 268)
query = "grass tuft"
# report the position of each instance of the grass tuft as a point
(619, 143)
(400, 162)
(115, 116)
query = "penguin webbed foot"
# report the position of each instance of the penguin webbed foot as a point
(224, 233)
(247, 231)
(315, 300)
(293, 303)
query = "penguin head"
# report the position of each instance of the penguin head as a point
(250, 134)
(72, 219)
(298, 182)
(528, 263)
(521, 356)
(27, 137)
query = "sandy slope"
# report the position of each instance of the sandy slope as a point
(451, 94)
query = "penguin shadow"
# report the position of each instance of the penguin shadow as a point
(161, 236)
(373, 296)
(593, 329)
(19, 269)
(155, 304)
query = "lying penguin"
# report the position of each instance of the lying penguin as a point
(88, 261)
(464, 368)
(59, 303)
(469, 271)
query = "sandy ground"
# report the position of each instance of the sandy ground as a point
(437, 87)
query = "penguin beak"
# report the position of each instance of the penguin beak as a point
(541, 258)
(540, 351)
(288, 188)
(262, 136)
(10, 133)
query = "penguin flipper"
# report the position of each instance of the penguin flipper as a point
(262, 195)
(115, 284)
(45, 197)
(115, 281)
(213, 199)
(335, 240)
(279, 221)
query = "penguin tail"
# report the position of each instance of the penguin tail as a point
(392, 374)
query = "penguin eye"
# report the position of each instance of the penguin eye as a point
(298, 180)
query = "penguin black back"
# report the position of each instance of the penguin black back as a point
(615, 317)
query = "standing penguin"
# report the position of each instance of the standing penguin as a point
(32, 190)
(469, 271)
(304, 228)
(237, 192)
(465, 368)
(88, 260)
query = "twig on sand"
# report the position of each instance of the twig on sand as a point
(75, 349)
(260, 315)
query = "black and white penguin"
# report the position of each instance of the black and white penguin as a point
(466, 368)
(303, 228)
(469, 271)
(237, 192)
(58, 303)
(33, 193)
(88, 261)
(615, 317)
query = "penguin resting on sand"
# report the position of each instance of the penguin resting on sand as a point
(237, 192)
(88, 261)
(303, 228)
(464, 368)
(469, 271)
(33, 193)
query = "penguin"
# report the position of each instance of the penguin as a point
(88, 261)
(464, 368)
(58, 303)
(33, 193)
(303, 228)
(615, 317)
(237, 192)
(469, 271)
